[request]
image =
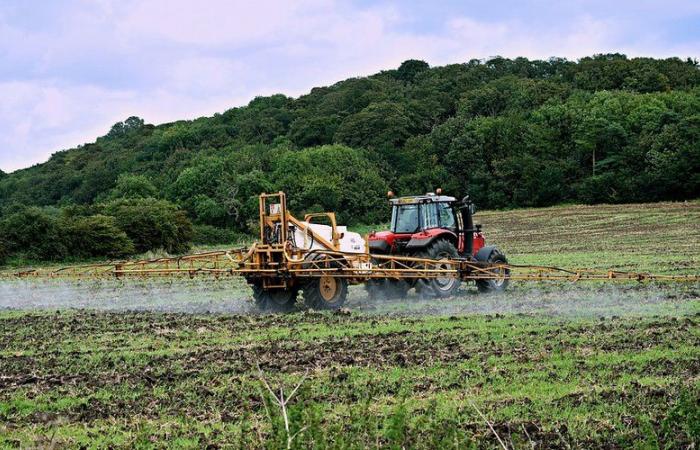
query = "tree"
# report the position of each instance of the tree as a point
(121, 129)
(263, 119)
(4, 250)
(200, 187)
(674, 160)
(242, 200)
(34, 233)
(152, 224)
(133, 186)
(606, 128)
(409, 69)
(95, 236)
(332, 178)
(209, 210)
(314, 130)
(382, 126)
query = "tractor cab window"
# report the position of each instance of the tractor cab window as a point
(430, 216)
(404, 219)
(447, 215)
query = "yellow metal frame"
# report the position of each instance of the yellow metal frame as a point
(281, 268)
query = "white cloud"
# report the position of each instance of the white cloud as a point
(581, 37)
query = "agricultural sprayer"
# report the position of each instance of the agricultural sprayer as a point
(432, 246)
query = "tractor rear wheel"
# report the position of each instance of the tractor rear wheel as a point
(500, 283)
(326, 291)
(274, 300)
(439, 287)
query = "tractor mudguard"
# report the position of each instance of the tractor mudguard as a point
(418, 243)
(379, 246)
(485, 253)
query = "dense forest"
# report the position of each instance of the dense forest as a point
(511, 132)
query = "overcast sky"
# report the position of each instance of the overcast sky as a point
(69, 69)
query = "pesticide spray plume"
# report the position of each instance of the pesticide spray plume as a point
(564, 300)
(229, 296)
(158, 295)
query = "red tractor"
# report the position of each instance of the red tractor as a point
(438, 227)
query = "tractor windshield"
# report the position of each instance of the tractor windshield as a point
(405, 219)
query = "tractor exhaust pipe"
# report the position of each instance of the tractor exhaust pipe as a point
(467, 210)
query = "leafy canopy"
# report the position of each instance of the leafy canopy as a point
(511, 132)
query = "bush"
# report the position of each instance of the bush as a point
(209, 235)
(152, 224)
(33, 233)
(95, 236)
(333, 178)
(133, 186)
(4, 251)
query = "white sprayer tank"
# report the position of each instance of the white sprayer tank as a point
(350, 242)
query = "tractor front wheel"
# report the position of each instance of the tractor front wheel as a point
(500, 281)
(440, 286)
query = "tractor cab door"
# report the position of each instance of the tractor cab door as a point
(451, 220)
(430, 218)
(405, 219)
(447, 217)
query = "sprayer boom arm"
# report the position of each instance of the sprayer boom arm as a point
(355, 267)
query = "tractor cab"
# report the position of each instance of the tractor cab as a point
(414, 214)
(417, 221)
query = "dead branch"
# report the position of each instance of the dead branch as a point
(282, 402)
(500, 441)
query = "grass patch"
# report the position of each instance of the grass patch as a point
(395, 381)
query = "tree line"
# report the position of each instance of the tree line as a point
(510, 132)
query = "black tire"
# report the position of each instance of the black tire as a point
(326, 292)
(439, 287)
(380, 289)
(498, 285)
(275, 300)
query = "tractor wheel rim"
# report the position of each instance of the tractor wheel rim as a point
(328, 287)
(501, 277)
(444, 283)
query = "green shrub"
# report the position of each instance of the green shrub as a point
(34, 233)
(333, 178)
(133, 186)
(95, 236)
(152, 224)
(209, 235)
(4, 251)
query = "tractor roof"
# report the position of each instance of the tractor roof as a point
(429, 197)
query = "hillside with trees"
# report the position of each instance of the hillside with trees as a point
(511, 132)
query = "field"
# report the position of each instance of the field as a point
(185, 364)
